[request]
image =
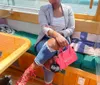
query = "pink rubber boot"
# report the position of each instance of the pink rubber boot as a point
(29, 72)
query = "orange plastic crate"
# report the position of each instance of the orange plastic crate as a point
(12, 47)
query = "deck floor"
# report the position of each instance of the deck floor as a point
(16, 75)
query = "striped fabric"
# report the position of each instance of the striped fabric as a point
(87, 43)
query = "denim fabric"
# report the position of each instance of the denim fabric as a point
(48, 76)
(41, 58)
(43, 52)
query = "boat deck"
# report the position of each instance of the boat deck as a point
(16, 74)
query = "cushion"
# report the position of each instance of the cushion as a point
(89, 63)
(84, 42)
(85, 62)
(77, 63)
(31, 37)
(89, 70)
(97, 59)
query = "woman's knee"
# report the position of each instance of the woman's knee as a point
(44, 54)
(52, 43)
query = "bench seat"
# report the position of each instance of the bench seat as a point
(31, 37)
(84, 62)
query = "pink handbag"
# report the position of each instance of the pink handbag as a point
(66, 57)
(62, 60)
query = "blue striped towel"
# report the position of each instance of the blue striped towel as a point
(87, 43)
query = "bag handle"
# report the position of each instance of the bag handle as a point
(61, 49)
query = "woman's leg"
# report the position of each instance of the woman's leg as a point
(44, 54)
(30, 70)
(48, 76)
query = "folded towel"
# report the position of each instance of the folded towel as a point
(87, 43)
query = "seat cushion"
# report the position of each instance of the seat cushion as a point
(31, 37)
(89, 63)
(85, 62)
(77, 63)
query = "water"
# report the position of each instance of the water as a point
(79, 6)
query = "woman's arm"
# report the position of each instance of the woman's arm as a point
(48, 30)
(71, 24)
(62, 42)
(43, 21)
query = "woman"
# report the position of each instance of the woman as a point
(57, 22)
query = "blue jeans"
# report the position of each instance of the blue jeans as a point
(43, 55)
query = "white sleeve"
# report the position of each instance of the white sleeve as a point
(46, 29)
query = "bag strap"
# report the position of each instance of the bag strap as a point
(61, 49)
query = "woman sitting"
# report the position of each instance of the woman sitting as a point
(57, 22)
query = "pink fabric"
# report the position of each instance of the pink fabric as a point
(66, 57)
(3, 21)
(29, 72)
(63, 59)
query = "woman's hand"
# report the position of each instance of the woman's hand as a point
(62, 42)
